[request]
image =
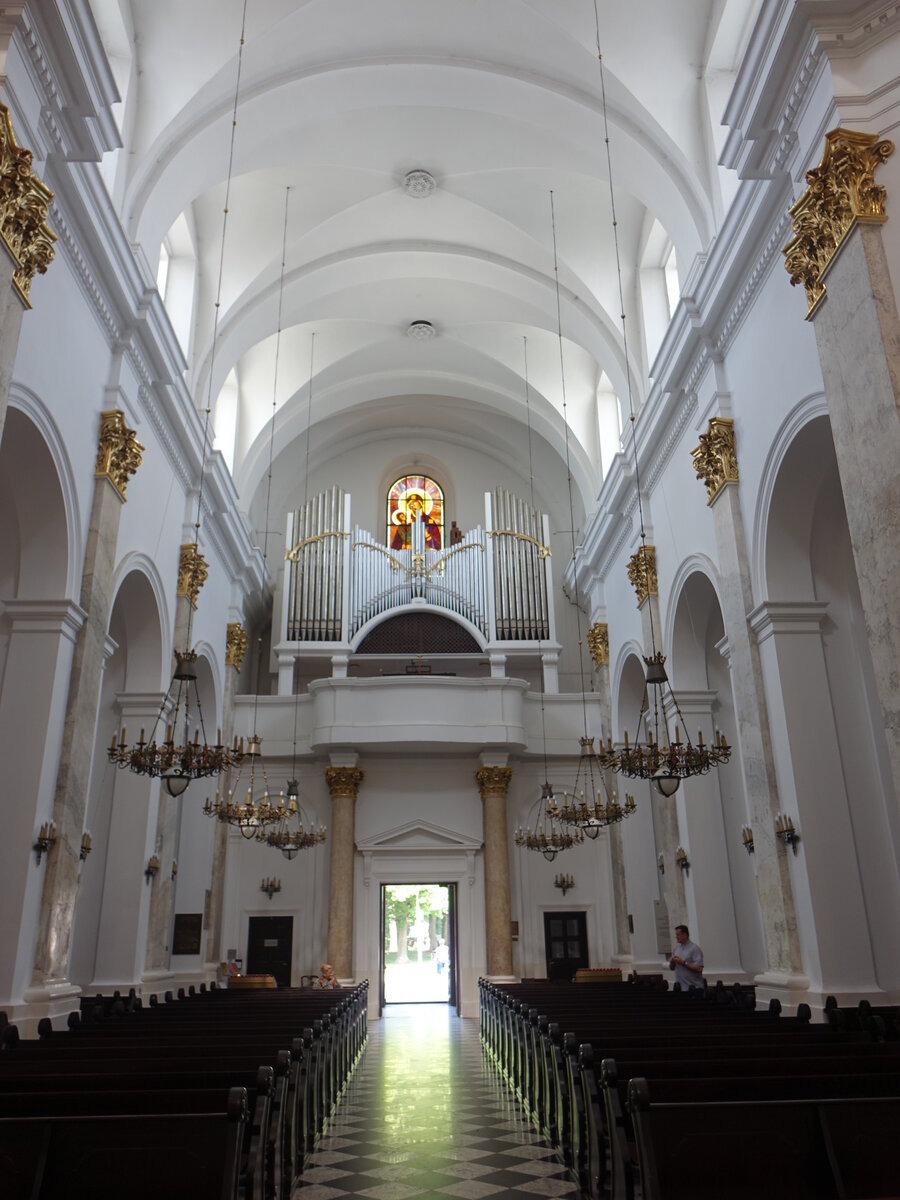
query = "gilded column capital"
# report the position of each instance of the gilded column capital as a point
(842, 190)
(344, 781)
(236, 642)
(642, 573)
(192, 572)
(493, 781)
(24, 205)
(715, 459)
(119, 453)
(598, 643)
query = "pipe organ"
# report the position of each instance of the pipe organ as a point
(317, 536)
(339, 579)
(521, 545)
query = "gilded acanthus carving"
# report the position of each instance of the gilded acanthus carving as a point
(642, 573)
(236, 642)
(598, 643)
(344, 781)
(715, 459)
(493, 781)
(842, 190)
(192, 572)
(119, 453)
(24, 204)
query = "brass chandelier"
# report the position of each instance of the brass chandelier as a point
(289, 833)
(590, 806)
(177, 759)
(660, 758)
(250, 816)
(546, 833)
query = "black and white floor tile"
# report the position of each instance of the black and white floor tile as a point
(425, 1115)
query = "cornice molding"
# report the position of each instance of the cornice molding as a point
(848, 34)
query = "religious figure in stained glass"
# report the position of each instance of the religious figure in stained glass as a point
(415, 498)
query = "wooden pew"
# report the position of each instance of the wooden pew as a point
(146, 1155)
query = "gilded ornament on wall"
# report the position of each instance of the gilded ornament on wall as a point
(493, 781)
(715, 459)
(598, 643)
(192, 572)
(119, 453)
(236, 642)
(642, 573)
(24, 204)
(842, 190)
(344, 781)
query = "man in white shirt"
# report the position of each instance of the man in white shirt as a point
(686, 960)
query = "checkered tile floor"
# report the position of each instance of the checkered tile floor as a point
(425, 1115)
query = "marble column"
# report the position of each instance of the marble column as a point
(838, 254)
(598, 643)
(716, 463)
(42, 636)
(118, 457)
(235, 649)
(25, 237)
(493, 784)
(343, 783)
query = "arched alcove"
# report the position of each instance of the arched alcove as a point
(34, 555)
(112, 901)
(712, 810)
(827, 728)
(38, 624)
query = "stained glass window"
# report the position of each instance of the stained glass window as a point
(415, 498)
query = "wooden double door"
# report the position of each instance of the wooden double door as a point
(565, 943)
(269, 948)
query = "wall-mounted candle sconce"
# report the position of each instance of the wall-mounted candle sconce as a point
(682, 859)
(85, 846)
(45, 839)
(152, 867)
(661, 863)
(785, 831)
(270, 887)
(564, 883)
(747, 838)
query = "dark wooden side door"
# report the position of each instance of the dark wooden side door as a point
(269, 945)
(565, 943)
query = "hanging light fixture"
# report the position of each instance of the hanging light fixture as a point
(660, 758)
(591, 805)
(178, 759)
(253, 814)
(545, 833)
(258, 816)
(290, 834)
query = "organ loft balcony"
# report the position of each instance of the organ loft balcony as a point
(352, 606)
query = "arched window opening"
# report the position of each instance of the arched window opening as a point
(412, 499)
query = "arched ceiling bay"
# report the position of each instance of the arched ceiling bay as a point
(501, 102)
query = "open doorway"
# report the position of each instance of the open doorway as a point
(418, 945)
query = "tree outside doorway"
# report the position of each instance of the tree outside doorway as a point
(417, 962)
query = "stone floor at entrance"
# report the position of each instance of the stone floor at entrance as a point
(425, 1115)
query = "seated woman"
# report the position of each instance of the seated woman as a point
(326, 977)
